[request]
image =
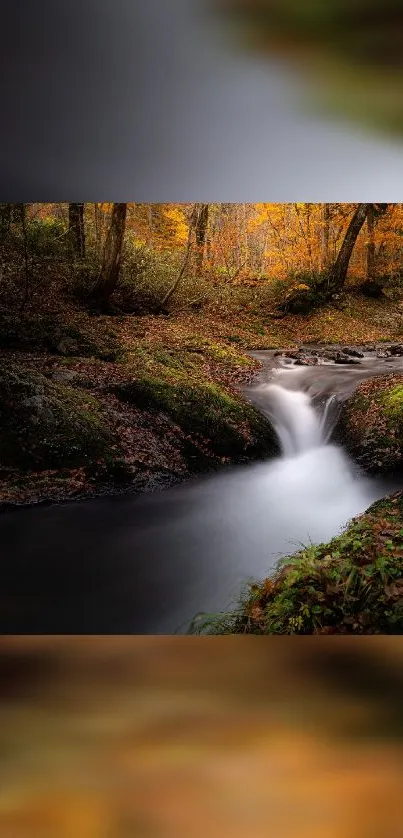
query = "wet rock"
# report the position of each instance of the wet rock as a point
(369, 348)
(383, 353)
(354, 353)
(345, 359)
(306, 362)
(396, 349)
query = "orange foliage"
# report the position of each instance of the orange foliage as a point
(254, 243)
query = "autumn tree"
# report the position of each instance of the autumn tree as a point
(201, 225)
(193, 220)
(76, 229)
(325, 236)
(374, 213)
(112, 257)
(338, 271)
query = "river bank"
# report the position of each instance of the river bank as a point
(166, 392)
(148, 564)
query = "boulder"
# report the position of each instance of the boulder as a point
(354, 353)
(306, 362)
(345, 359)
(45, 424)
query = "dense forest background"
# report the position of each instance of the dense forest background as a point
(153, 258)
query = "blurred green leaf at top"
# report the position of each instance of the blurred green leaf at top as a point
(353, 50)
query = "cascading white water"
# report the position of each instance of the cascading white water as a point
(328, 420)
(297, 424)
(313, 488)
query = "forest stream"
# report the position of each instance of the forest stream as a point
(149, 564)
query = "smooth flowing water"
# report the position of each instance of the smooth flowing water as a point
(149, 564)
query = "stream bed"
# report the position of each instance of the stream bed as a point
(148, 564)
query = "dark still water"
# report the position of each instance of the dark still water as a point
(148, 564)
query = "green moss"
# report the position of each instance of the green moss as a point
(232, 428)
(393, 402)
(44, 424)
(226, 355)
(371, 424)
(352, 585)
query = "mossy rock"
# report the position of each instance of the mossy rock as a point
(45, 424)
(371, 424)
(232, 428)
(351, 585)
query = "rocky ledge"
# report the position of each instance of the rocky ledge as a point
(308, 356)
(370, 425)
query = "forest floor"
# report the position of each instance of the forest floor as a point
(165, 389)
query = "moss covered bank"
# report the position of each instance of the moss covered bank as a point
(73, 425)
(352, 585)
(371, 424)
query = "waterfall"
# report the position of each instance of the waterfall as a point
(294, 418)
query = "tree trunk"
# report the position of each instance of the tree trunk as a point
(76, 229)
(371, 245)
(325, 236)
(109, 275)
(192, 226)
(201, 234)
(340, 267)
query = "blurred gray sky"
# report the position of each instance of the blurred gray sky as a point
(150, 101)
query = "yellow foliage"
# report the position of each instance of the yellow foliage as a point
(176, 216)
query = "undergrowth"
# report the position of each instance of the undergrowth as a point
(352, 585)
